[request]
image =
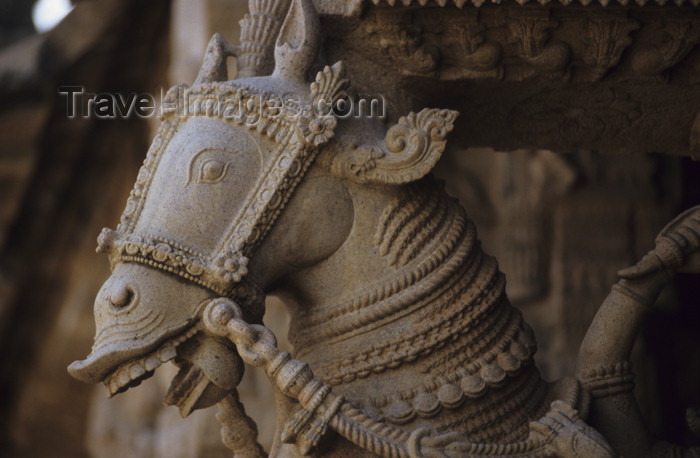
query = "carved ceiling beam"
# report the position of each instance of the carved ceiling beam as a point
(614, 79)
(355, 7)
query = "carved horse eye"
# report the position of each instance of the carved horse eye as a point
(209, 166)
(212, 171)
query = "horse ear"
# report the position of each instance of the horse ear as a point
(214, 65)
(412, 147)
(298, 41)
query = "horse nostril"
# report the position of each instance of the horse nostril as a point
(122, 297)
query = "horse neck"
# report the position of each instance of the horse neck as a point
(428, 315)
(394, 266)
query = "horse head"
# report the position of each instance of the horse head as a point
(247, 182)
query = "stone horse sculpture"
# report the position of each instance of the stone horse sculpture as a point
(405, 343)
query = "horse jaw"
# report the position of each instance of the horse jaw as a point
(145, 318)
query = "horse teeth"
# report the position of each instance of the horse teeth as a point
(113, 386)
(136, 370)
(152, 363)
(124, 377)
(167, 352)
(178, 340)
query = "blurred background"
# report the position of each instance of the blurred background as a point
(561, 225)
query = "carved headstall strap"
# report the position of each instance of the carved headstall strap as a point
(297, 132)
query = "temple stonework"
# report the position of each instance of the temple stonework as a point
(484, 265)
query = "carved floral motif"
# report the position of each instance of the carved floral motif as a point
(607, 39)
(330, 86)
(480, 57)
(680, 36)
(531, 34)
(317, 130)
(404, 43)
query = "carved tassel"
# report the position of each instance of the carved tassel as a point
(312, 435)
(295, 425)
(259, 31)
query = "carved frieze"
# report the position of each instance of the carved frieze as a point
(324, 5)
(508, 60)
(490, 42)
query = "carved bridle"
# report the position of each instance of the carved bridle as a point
(297, 132)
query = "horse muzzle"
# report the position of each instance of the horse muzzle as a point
(142, 316)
